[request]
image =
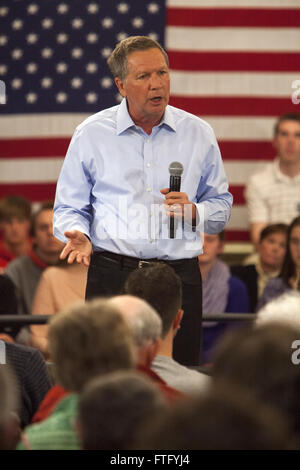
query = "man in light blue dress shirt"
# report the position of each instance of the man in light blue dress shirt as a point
(112, 206)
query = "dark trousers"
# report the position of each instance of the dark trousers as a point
(107, 277)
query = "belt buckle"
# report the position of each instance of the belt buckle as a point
(142, 263)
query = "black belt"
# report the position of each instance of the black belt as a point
(133, 263)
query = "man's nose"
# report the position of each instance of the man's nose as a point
(155, 81)
(291, 138)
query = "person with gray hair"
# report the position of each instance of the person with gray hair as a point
(116, 216)
(145, 324)
(159, 285)
(284, 309)
(146, 328)
(114, 409)
(85, 341)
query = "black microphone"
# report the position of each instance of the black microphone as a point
(175, 170)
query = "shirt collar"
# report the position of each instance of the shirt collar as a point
(124, 120)
(168, 119)
(281, 177)
(262, 273)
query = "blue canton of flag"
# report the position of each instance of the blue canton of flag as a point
(53, 53)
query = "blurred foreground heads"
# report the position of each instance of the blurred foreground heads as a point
(224, 419)
(260, 361)
(85, 341)
(89, 339)
(114, 409)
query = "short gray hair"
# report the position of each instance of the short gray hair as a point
(284, 309)
(117, 61)
(143, 320)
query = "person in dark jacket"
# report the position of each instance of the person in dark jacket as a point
(271, 250)
(32, 377)
(8, 305)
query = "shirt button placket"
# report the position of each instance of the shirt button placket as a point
(148, 163)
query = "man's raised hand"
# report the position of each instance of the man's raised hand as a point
(78, 248)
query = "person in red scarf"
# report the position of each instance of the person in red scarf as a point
(25, 272)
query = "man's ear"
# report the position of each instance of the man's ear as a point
(177, 319)
(120, 86)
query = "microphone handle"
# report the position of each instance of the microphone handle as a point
(175, 183)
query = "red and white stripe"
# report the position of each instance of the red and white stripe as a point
(233, 64)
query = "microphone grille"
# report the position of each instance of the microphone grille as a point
(175, 169)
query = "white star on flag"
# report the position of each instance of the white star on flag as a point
(17, 83)
(61, 97)
(31, 97)
(46, 82)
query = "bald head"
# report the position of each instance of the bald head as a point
(143, 320)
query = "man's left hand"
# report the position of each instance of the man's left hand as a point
(175, 203)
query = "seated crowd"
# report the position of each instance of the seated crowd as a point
(107, 393)
(101, 374)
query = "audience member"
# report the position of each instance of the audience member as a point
(85, 341)
(59, 287)
(9, 404)
(273, 194)
(8, 306)
(25, 271)
(290, 273)
(225, 418)
(283, 309)
(271, 251)
(259, 359)
(146, 328)
(51, 399)
(15, 214)
(114, 409)
(31, 376)
(160, 286)
(222, 292)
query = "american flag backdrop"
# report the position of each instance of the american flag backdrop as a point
(232, 63)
